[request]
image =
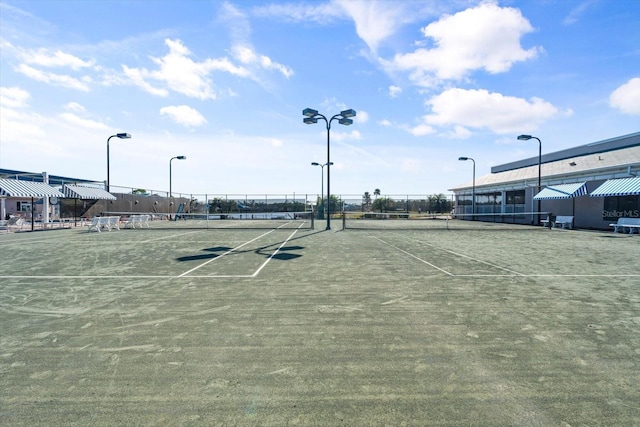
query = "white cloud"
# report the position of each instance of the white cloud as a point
(361, 117)
(182, 74)
(484, 37)
(376, 20)
(394, 91)
(384, 122)
(44, 58)
(301, 12)
(13, 97)
(247, 56)
(184, 115)
(78, 121)
(626, 98)
(74, 106)
(54, 79)
(421, 130)
(577, 12)
(481, 109)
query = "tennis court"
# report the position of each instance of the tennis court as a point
(454, 325)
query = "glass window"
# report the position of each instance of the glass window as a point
(621, 207)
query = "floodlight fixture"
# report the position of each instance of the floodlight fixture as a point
(526, 138)
(344, 118)
(122, 135)
(473, 189)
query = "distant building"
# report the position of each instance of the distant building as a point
(595, 183)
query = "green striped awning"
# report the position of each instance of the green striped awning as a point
(18, 188)
(618, 187)
(86, 193)
(562, 191)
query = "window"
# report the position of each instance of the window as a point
(621, 207)
(515, 201)
(23, 207)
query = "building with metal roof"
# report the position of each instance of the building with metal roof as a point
(570, 185)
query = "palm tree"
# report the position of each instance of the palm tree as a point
(376, 192)
(366, 201)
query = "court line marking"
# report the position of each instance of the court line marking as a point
(275, 252)
(513, 272)
(226, 253)
(414, 256)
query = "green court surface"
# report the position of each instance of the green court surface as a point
(496, 326)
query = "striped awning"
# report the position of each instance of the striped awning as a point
(562, 191)
(19, 188)
(87, 193)
(618, 187)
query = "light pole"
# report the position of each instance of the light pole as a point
(321, 176)
(473, 191)
(344, 118)
(526, 138)
(121, 136)
(170, 195)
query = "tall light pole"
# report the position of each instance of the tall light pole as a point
(321, 176)
(121, 136)
(473, 191)
(526, 138)
(344, 118)
(170, 194)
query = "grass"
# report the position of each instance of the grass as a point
(496, 325)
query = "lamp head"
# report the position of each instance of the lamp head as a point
(181, 157)
(348, 113)
(463, 158)
(309, 112)
(123, 135)
(524, 137)
(315, 164)
(345, 122)
(309, 120)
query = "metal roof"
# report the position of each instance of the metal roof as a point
(574, 169)
(600, 147)
(37, 177)
(618, 187)
(16, 188)
(88, 193)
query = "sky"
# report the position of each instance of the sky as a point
(224, 83)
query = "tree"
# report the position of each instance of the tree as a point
(384, 204)
(366, 201)
(376, 192)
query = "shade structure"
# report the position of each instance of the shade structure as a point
(86, 193)
(562, 191)
(18, 188)
(618, 187)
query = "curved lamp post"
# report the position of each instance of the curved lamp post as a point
(473, 193)
(118, 135)
(526, 138)
(321, 176)
(170, 195)
(344, 118)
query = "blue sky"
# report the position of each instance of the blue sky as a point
(225, 82)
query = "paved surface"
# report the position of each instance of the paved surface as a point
(498, 327)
